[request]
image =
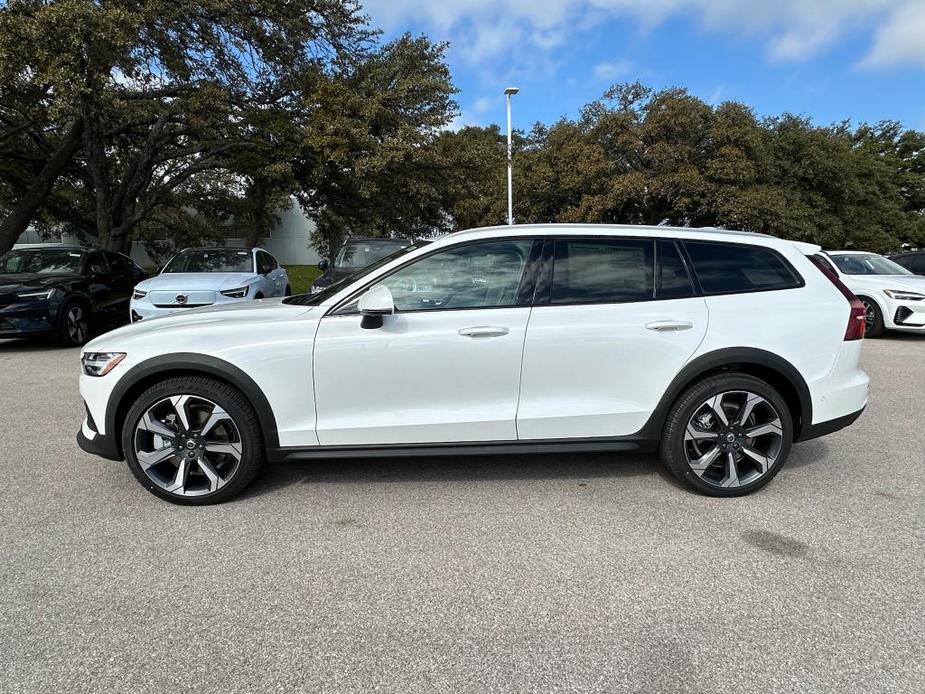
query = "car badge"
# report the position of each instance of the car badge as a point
(182, 299)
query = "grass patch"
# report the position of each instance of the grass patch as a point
(301, 277)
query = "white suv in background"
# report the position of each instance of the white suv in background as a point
(893, 297)
(718, 349)
(197, 277)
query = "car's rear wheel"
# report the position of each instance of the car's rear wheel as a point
(193, 440)
(727, 435)
(873, 318)
(288, 291)
(74, 324)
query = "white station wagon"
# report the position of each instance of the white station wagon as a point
(718, 349)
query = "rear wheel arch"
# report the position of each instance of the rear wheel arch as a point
(774, 370)
(142, 376)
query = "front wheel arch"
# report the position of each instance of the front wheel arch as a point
(141, 376)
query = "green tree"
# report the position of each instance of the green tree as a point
(154, 96)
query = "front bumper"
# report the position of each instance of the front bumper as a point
(23, 320)
(93, 442)
(905, 315)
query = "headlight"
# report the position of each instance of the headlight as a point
(138, 294)
(903, 295)
(100, 363)
(236, 293)
(37, 296)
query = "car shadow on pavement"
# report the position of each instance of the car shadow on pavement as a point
(551, 466)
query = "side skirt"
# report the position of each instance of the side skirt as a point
(584, 445)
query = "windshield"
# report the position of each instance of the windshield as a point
(354, 255)
(332, 289)
(864, 264)
(46, 261)
(213, 260)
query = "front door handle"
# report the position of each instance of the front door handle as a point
(669, 326)
(483, 331)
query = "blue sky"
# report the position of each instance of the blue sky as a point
(829, 59)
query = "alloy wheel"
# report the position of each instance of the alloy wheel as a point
(870, 315)
(188, 445)
(733, 439)
(76, 325)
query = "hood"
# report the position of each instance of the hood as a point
(912, 283)
(246, 313)
(192, 281)
(332, 275)
(36, 281)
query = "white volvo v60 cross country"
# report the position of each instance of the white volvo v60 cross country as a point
(718, 349)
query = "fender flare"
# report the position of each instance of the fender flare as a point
(188, 363)
(727, 359)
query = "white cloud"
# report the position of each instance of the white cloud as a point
(612, 70)
(789, 30)
(900, 40)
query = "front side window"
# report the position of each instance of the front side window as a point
(726, 268)
(478, 275)
(213, 260)
(602, 271)
(866, 264)
(55, 261)
(265, 263)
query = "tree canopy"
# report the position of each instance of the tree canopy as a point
(639, 156)
(173, 122)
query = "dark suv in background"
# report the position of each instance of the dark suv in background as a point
(64, 292)
(913, 261)
(353, 255)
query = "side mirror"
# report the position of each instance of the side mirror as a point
(323, 264)
(374, 304)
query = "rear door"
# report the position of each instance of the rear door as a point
(612, 326)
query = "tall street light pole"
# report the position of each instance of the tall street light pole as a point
(509, 92)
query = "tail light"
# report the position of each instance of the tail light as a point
(857, 319)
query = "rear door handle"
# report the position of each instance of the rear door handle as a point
(483, 331)
(669, 326)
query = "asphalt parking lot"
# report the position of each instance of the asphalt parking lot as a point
(527, 574)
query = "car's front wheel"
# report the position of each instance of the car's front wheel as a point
(727, 435)
(873, 318)
(73, 324)
(193, 440)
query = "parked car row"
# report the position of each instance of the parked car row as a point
(69, 292)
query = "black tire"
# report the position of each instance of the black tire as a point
(258, 295)
(672, 447)
(873, 325)
(288, 291)
(67, 337)
(238, 408)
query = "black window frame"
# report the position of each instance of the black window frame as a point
(688, 268)
(525, 290)
(800, 282)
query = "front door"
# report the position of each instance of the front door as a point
(607, 337)
(445, 367)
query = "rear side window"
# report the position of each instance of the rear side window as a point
(674, 281)
(602, 271)
(725, 268)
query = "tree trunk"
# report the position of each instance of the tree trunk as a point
(19, 218)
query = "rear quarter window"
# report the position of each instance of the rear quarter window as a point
(726, 268)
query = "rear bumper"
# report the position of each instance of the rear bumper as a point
(831, 426)
(97, 444)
